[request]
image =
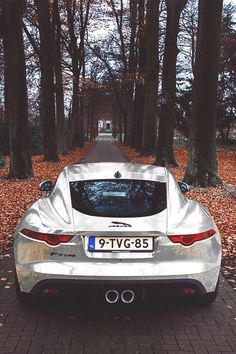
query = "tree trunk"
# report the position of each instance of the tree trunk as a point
(74, 53)
(17, 103)
(6, 103)
(82, 97)
(77, 52)
(84, 13)
(47, 81)
(202, 169)
(165, 151)
(138, 110)
(151, 79)
(60, 113)
(114, 119)
(91, 114)
(132, 66)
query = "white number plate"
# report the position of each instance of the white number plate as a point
(109, 244)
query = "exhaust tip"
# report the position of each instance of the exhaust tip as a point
(112, 296)
(127, 296)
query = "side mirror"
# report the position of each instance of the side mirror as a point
(46, 186)
(184, 187)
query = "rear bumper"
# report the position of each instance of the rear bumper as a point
(96, 288)
(35, 282)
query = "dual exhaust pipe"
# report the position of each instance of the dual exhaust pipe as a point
(112, 296)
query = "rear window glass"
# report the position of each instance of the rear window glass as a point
(123, 198)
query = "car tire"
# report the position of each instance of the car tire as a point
(25, 299)
(208, 298)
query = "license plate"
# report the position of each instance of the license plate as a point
(110, 244)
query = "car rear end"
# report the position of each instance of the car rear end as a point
(120, 249)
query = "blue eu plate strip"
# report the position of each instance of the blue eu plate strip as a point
(91, 245)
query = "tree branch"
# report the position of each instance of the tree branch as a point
(31, 39)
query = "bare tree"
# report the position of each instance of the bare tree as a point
(60, 114)
(202, 169)
(132, 67)
(76, 52)
(16, 90)
(47, 81)
(138, 105)
(165, 151)
(151, 78)
(124, 88)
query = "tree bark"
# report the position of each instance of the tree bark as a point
(202, 169)
(132, 67)
(47, 81)
(151, 79)
(165, 151)
(17, 102)
(60, 112)
(84, 14)
(124, 89)
(76, 52)
(138, 110)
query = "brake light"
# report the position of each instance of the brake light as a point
(188, 240)
(51, 239)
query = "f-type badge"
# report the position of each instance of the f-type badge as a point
(119, 224)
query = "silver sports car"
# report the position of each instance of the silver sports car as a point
(118, 231)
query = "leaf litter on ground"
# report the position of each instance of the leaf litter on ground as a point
(17, 195)
(220, 201)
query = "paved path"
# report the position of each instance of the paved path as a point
(105, 151)
(66, 328)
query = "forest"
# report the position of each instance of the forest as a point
(158, 69)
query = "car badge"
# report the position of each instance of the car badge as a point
(119, 224)
(117, 174)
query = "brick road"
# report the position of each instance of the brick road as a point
(63, 327)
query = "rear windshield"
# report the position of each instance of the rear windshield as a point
(118, 198)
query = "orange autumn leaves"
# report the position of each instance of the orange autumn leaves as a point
(16, 196)
(220, 201)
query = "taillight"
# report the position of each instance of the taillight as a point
(188, 240)
(51, 239)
